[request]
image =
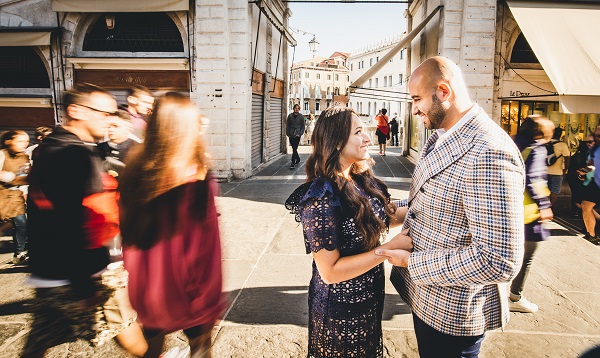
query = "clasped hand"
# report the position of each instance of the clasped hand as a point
(397, 250)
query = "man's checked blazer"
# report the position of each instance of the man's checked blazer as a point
(466, 221)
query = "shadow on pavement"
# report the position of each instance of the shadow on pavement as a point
(16, 307)
(288, 305)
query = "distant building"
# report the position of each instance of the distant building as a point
(319, 83)
(386, 88)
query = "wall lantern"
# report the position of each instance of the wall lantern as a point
(110, 21)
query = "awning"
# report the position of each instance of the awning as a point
(119, 5)
(564, 37)
(25, 36)
(402, 44)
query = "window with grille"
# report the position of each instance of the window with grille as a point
(522, 52)
(135, 32)
(22, 67)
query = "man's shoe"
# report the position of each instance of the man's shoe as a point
(20, 259)
(293, 166)
(522, 305)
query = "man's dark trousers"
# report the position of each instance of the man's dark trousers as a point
(295, 142)
(435, 344)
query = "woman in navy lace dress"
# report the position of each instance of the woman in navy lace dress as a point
(344, 210)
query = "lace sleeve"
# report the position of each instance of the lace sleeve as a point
(318, 208)
(321, 222)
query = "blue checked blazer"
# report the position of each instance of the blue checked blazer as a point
(465, 218)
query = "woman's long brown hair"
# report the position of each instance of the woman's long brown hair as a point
(329, 137)
(172, 151)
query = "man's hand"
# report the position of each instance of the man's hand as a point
(401, 241)
(395, 257)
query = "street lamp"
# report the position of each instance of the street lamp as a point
(314, 45)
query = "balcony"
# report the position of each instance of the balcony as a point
(318, 96)
(329, 96)
(317, 112)
(305, 112)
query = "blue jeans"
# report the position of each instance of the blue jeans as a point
(435, 344)
(19, 233)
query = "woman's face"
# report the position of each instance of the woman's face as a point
(589, 141)
(18, 144)
(357, 147)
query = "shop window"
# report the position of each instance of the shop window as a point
(135, 32)
(522, 52)
(22, 67)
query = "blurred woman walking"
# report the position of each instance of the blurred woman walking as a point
(170, 230)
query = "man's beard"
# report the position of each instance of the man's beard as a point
(436, 113)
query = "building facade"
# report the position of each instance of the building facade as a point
(386, 88)
(319, 83)
(512, 57)
(229, 57)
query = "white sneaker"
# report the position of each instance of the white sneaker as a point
(176, 352)
(523, 306)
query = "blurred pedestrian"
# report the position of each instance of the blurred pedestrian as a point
(78, 295)
(394, 128)
(558, 169)
(531, 139)
(344, 211)
(578, 160)
(309, 128)
(14, 167)
(140, 101)
(383, 130)
(40, 133)
(465, 218)
(591, 193)
(170, 229)
(294, 129)
(119, 143)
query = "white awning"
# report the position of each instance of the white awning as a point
(25, 38)
(119, 5)
(402, 44)
(564, 37)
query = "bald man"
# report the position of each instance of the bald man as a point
(464, 218)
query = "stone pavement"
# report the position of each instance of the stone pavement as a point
(267, 274)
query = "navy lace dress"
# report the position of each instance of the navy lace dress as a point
(344, 318)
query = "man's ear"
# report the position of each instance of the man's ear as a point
(76, 112)
(444, 91)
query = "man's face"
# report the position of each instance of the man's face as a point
(99, 113)
(597, 136)
(119, 130)
(427, 105)
(142, 104)
(296, 109)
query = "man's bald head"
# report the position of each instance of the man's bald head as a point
(439, 93)
(436, 69)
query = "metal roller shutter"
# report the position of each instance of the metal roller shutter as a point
(275, 136)
(257, 129)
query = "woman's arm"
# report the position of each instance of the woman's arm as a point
(335, 269)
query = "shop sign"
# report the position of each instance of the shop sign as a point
(518, 94)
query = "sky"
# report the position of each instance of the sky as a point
(343, 27)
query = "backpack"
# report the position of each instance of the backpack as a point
(551, 156)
